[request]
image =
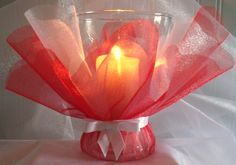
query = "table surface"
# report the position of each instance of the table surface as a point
(61, 152)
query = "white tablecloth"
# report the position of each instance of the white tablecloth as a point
(184, 136)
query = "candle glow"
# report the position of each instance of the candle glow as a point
(119, 75)
(159, 62)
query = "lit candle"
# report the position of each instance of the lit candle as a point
(118, 74)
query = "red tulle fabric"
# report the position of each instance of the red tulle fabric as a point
(194, 61)
(194, 64)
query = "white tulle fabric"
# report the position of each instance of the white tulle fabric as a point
(200, 129)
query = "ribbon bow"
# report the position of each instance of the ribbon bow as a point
(110, 132)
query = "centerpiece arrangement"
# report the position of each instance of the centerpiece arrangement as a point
(114, 69)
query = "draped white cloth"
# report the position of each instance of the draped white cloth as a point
(200, 129)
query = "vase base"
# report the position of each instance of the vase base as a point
(138, 145)
(121, 159)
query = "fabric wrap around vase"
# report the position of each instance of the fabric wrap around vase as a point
(118, 133)
(114, 69)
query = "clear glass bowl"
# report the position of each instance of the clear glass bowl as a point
(95, 28)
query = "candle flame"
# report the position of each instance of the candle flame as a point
(117, 53)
